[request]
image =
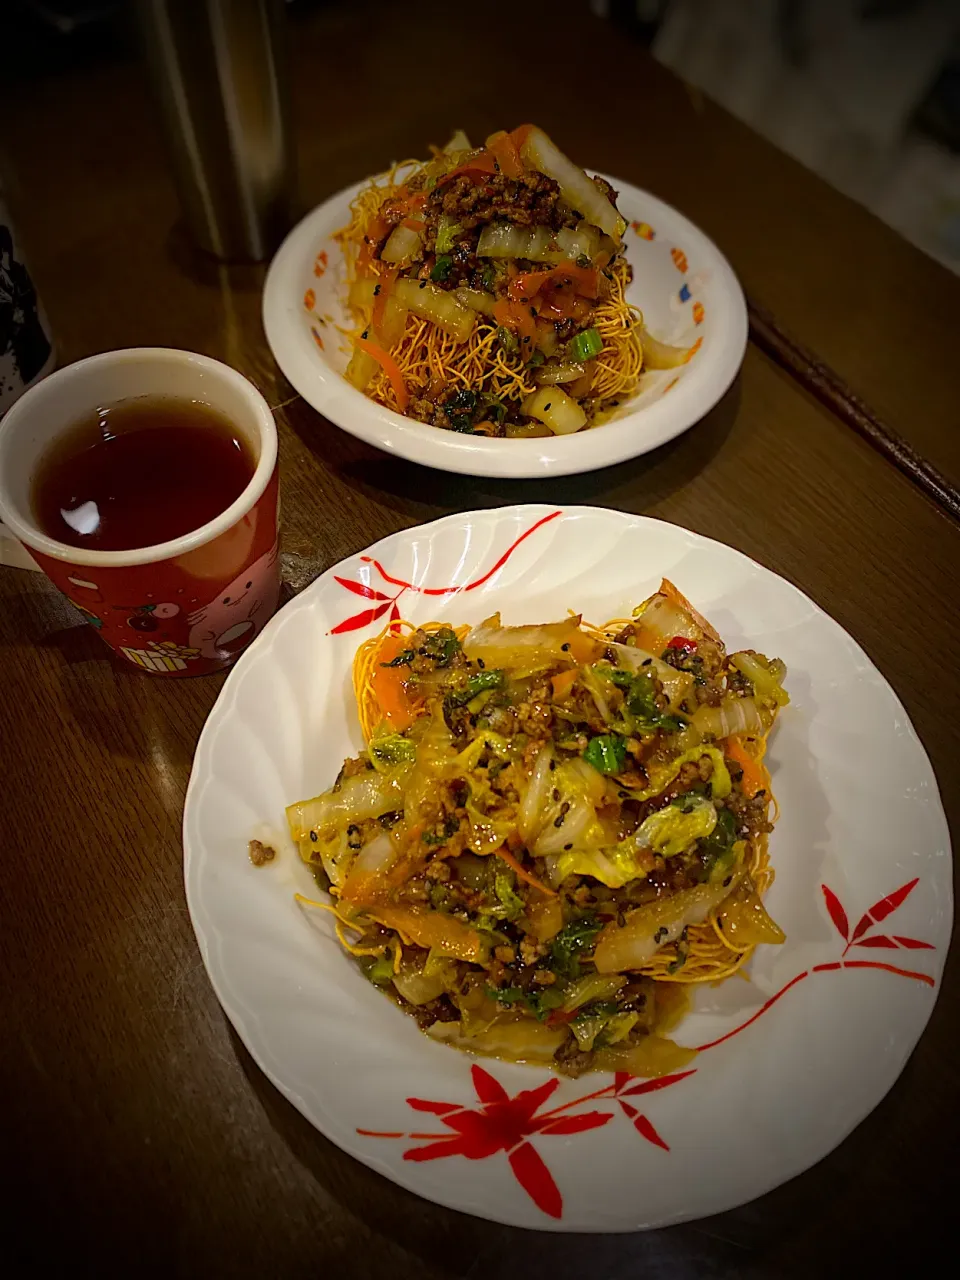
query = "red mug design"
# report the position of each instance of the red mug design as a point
(185, 607)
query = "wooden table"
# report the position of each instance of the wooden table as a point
(136, 1131)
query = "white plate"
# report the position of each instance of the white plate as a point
(682, 283)
(799, 1054)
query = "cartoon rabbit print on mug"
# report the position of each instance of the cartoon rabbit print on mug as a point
(228, 624)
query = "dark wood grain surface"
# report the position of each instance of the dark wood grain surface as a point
(137, 1133)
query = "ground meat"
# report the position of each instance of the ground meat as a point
(604, 187)
(750, 813)
(352, 769)
(672, 877)
(260, 853)
(707, 695)
(531, 950)
(530, 201)
(536, 719)
(438, 870)
(502, 720)
(439, 1010)
(571, 1060)
(413, 891)
(737, 682)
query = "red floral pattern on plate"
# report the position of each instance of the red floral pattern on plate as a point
(385, 601)
(506, 1124)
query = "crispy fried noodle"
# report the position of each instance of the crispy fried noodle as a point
(553, 831)
(488, 287)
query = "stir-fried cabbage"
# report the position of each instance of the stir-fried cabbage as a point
(745, 921)
(658, 355)
(673, 829)
(421, 983)
(508, 240)
(441, 308)
(403, 245)
(733, 716)
(592, 986)
(662, 775)
(366, 795)
(555, 409)
(667, 832)
(477, 300)
(767, 680)
(568, 814)
(551, 642)
(539, 244)
(434, 931)
(541, 153)
(630, 945)
(676, 685)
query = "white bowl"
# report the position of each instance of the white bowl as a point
(682, 283)
(790, 1060)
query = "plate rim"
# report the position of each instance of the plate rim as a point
(329, 394)
(366, 1155)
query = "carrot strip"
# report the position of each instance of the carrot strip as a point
(755, 777)
(563, 683)
(504, 853)
(519, 135)
(387, 683)
(504, 150)
(414, 224)
(517, 317)
(680, 600)
(483, 163)
(390, 367)
(582, 279)
(375, 233)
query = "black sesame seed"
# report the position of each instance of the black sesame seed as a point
(568, 847)
(564, 647)
(313, 836)
(480, 663)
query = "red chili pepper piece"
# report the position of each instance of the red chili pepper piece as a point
(682, 643)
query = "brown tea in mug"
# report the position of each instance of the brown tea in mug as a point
(138, 473)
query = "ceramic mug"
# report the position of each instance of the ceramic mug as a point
(184, 607)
